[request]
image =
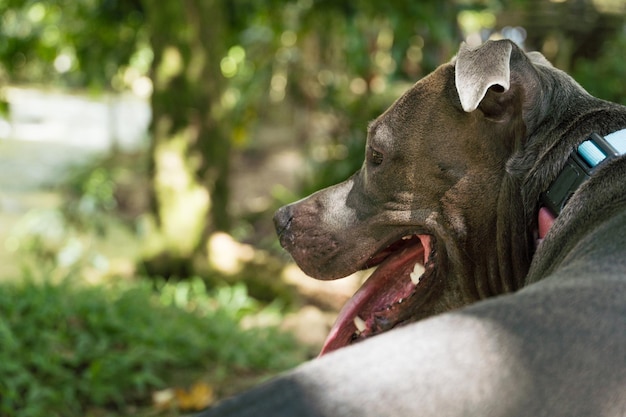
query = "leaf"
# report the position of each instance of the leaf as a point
(200, 396)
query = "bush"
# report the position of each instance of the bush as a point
(67, 349)
(603, 75)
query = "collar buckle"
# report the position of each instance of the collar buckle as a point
(580, 165)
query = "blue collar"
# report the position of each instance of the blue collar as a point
(581, 164)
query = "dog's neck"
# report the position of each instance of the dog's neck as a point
(536, 165)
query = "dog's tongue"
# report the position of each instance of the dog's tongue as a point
(389, 283)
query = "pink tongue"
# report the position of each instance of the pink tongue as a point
(546, 219)
(389, 283)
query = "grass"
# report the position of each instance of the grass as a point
(71, 349)
(81, 334)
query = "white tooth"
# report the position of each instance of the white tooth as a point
(359, 323)
(407, 237)
(418, 270)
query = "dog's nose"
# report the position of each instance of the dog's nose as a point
(282, 219)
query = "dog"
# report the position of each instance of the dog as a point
(492, 200)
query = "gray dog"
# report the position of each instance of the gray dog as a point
(475, 309)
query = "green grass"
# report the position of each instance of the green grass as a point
(71, 349)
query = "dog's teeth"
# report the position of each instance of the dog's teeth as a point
(359, 323)
(407, 237)
(416, 275)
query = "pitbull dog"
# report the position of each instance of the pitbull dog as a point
(473, 310)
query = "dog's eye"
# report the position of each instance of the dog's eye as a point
(374, 157)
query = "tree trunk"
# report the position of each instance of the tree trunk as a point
(190, 151)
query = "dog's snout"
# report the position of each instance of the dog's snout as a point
(282, 219)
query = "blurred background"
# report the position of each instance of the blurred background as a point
(144, 145)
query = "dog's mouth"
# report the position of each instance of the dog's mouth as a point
(390, 295)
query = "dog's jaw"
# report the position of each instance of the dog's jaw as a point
(398, 285)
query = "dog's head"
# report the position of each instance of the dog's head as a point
(435, 206)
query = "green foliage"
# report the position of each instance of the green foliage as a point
(99, 188)
(603, 77)
(102, 203)
(68, 348)
(78, 43)
(67, 238)
(337, 58)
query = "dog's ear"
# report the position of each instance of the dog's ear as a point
(537, 58)
(477, 70)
